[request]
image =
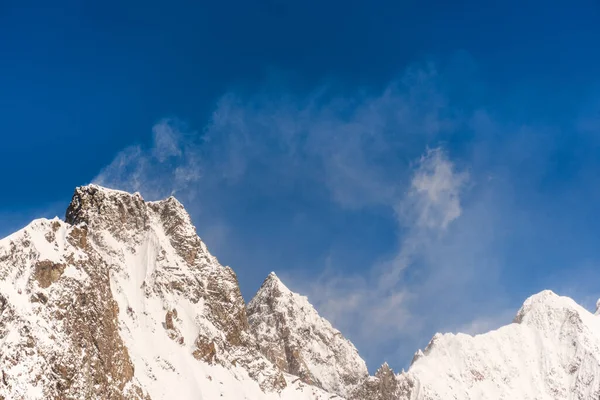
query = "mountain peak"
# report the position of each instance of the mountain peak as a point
(273, 286)
(550, 351)
(546, 309)
(123, 300)
(385, 369)
(119, 276)
(94, 198)
(293, 336)
(385, 385)
(126, 215)
(97, 207)
(272, 278)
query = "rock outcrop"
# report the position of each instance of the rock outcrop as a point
(385, 385)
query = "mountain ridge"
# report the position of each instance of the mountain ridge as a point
(122, 300)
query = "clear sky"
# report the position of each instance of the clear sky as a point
(411, 167)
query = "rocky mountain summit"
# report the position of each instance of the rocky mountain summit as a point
(293, 336)
(122, 300)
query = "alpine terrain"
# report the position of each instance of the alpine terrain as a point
(122, 300)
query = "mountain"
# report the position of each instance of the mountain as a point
(122, 300)
(550, 351)
(293, 336)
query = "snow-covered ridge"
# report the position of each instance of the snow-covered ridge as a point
(123, 300)
(551, 351)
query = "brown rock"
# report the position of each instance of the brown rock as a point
(47, 272)
(169, 319)
(205, 350)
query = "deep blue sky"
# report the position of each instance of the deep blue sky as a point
(519, 108)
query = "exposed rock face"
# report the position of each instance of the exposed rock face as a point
(48, 272)
(293, 336)
(385, 385)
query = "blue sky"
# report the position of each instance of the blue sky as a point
(412, 167)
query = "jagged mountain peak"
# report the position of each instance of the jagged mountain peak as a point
(272, 286)
(91, 200)
(123, 300)
(385, 385)
(292, 334)
(124, 214)
(273, 277)
(384, 369)
(551, 351)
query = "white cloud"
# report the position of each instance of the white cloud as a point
(166, 141)
(433, 200)
(383, 303)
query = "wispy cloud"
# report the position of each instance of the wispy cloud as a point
(356, 146)
(166, 141)
(383, 300)
(364, 150)
(459, 187)
(169, 166)
(433, 200)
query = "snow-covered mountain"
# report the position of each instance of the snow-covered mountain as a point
(550, 351)
(293, 336)
(122, 300)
